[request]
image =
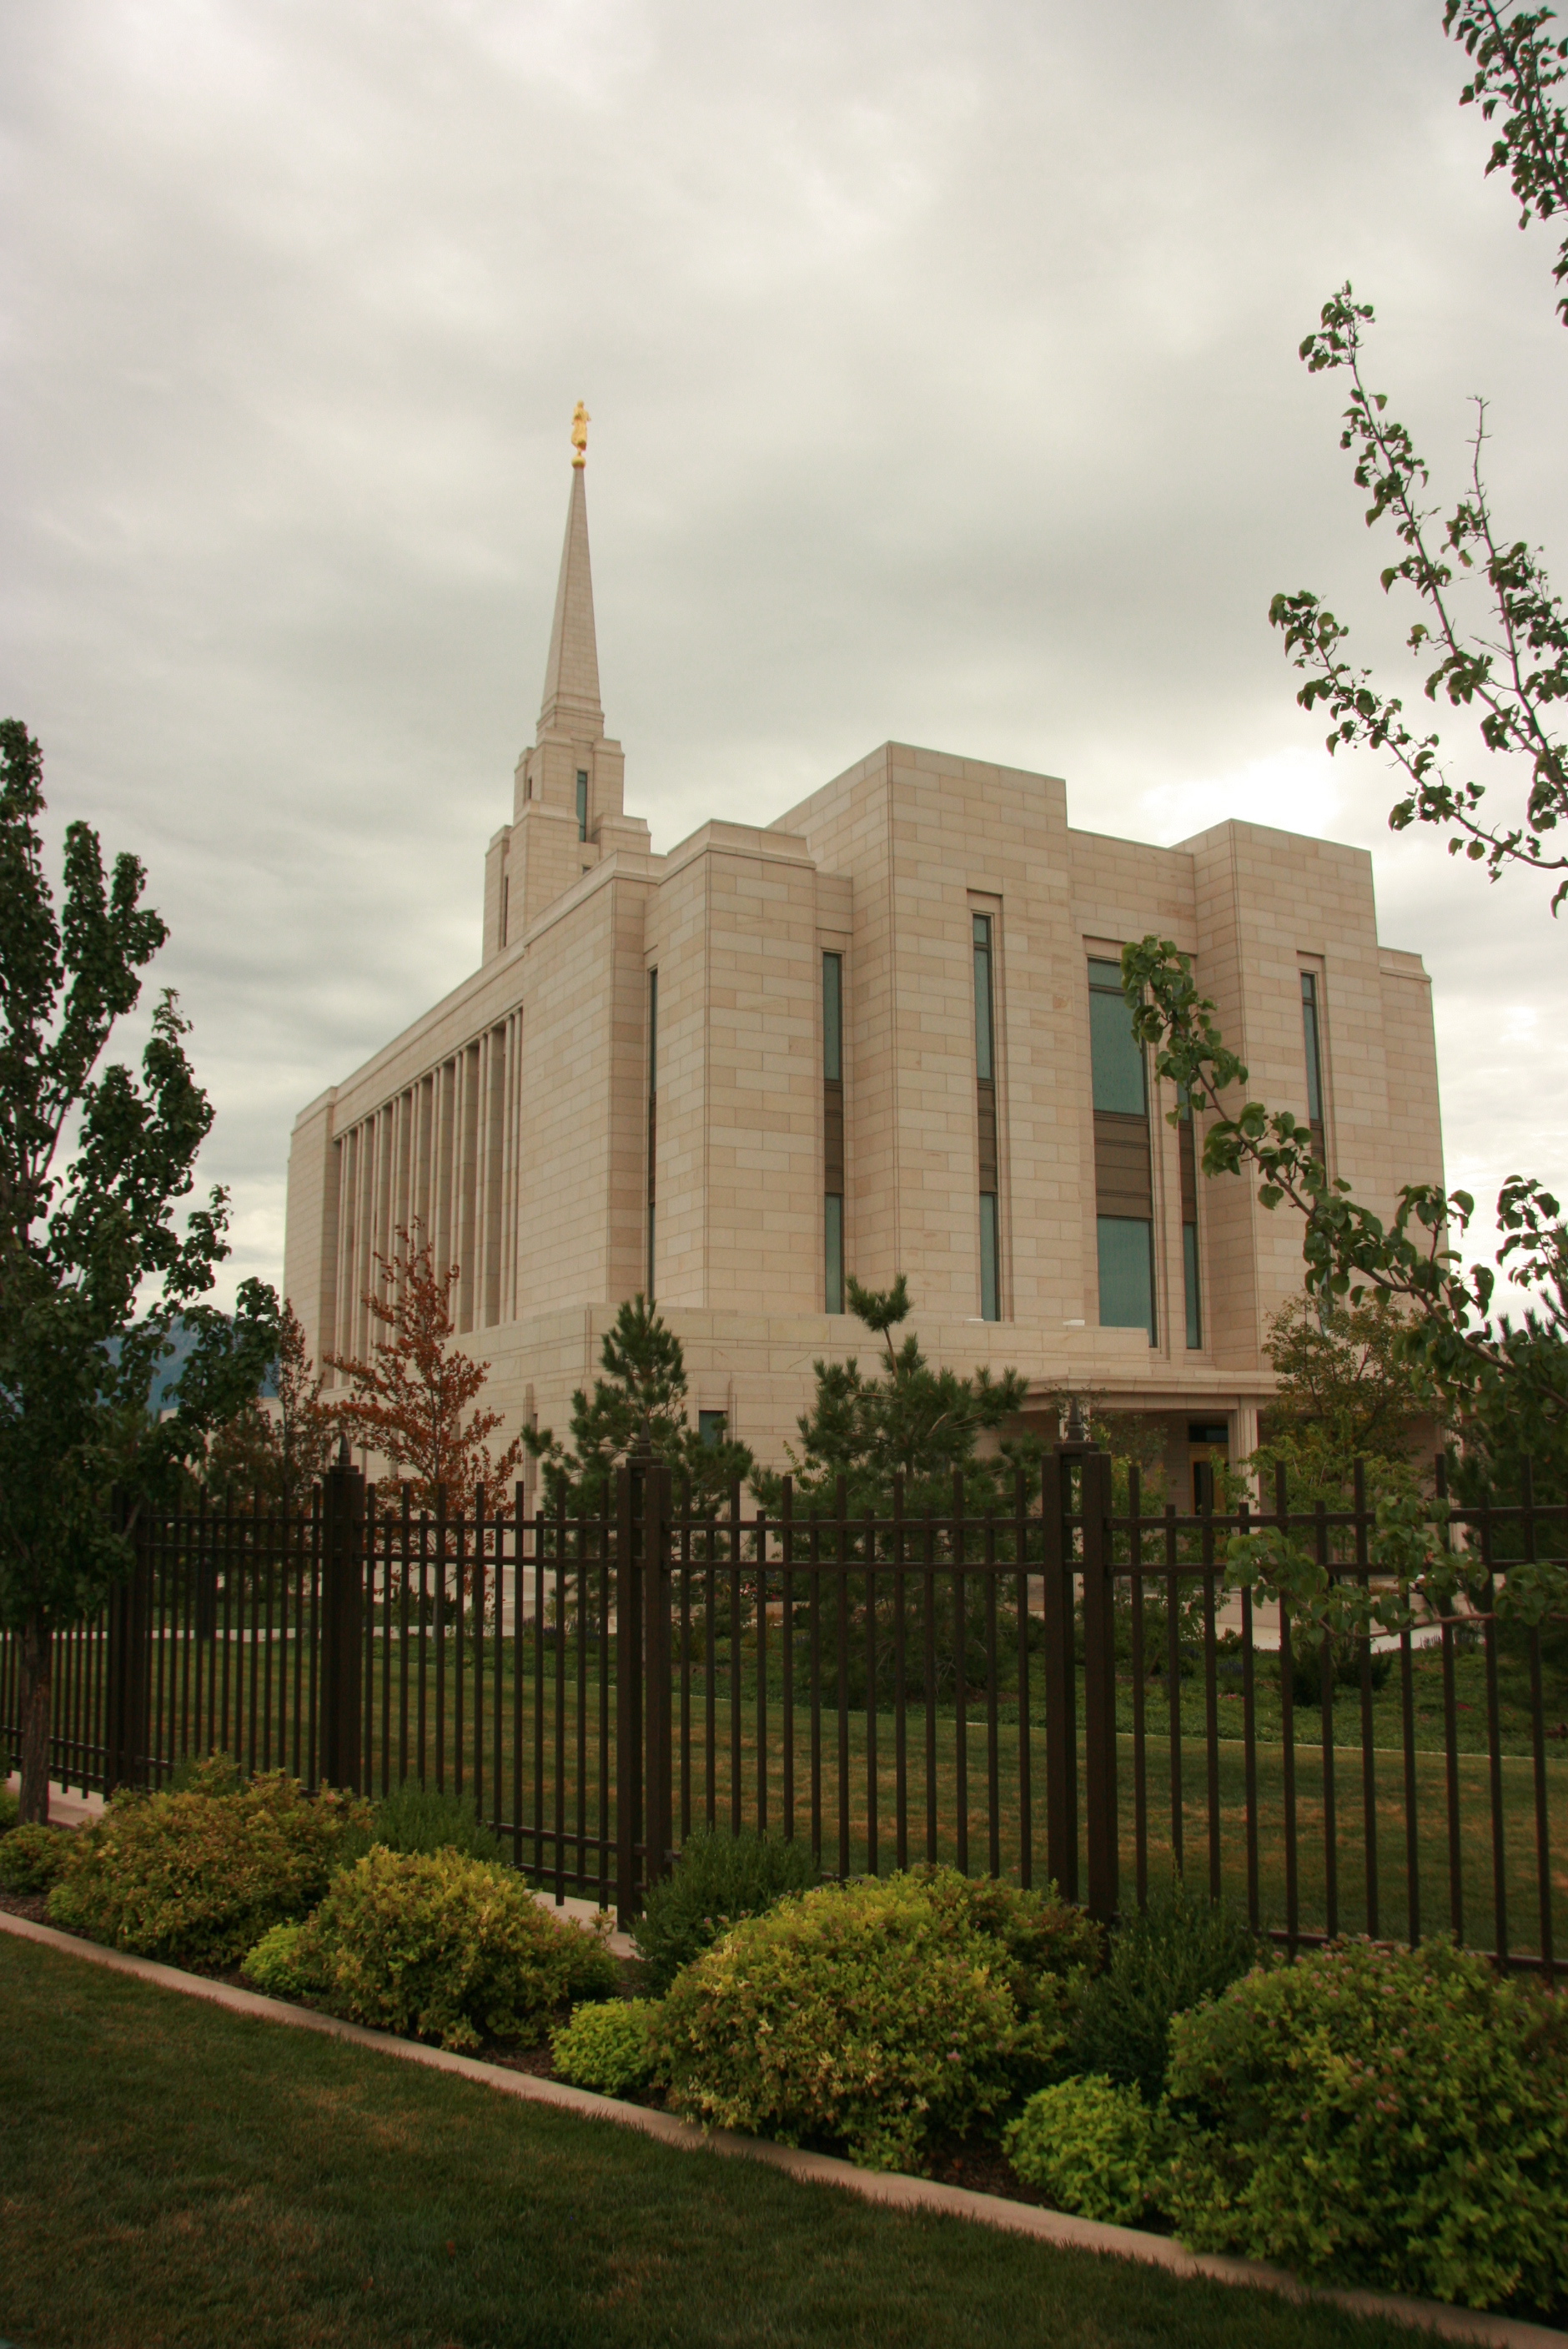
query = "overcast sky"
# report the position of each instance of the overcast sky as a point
(941, 362)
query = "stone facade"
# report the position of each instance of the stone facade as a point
(567, 1143)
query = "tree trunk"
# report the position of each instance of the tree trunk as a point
(36, 1692)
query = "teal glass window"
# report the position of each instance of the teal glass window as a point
(582, 804)
(1312, 1037)
(833, 1017)
(1114, 1053)
(1125, 1274)
(833, 1253)
(990, 1281)
(985, 1003)
(1189, 1283)
(711, 1426)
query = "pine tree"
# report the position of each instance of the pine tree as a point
(909, 1422)
(640, 1404)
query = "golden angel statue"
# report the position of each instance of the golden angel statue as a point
(580, 420)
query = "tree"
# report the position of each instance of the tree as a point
(1510, 677)
(1348, 1386)
(276, 1455)
(909, 1422)
(639, 1403)
(408, 1401)
(94, 1267)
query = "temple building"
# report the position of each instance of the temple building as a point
(883, 1033)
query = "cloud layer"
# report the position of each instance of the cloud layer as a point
(943, 366)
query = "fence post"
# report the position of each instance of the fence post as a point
(1061, 1721)
(1099, 1688)
(342, 1622)
(128, 1664)
(658, 1815)
(629, 1482)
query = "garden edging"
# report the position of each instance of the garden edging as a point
(873, 2186)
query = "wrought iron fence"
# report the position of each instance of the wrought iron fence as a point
(1067, 1693)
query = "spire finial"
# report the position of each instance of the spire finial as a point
(580, 420)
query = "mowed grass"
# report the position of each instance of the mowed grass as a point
(172, 2177)
(1454, 1830)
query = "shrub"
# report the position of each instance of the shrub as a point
(1178, 1951)
(716, 1880)
(1089, 2144)
(865, 2015)
(197, 1879)
(419, 1818)
(609, 2047)
(435, 1945)
(10, 1810)
(206, 1773)
(274, 1964)
(32, 1857)
(1388, 2116)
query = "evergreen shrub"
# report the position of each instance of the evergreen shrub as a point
(10, 1810)
(1088, 2143)
(420, 1818)
(869, 2014)
(717, 1879)
(609, 2047)
(273, 1966)
(1180, 1950)
(197, 1879)
(32, 1857)
(434, 1945)
(1379, 2115)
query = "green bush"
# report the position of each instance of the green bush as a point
(32, 1857)
(419, 1818)
(274, 1964)
(1383, 2116)
(1180, 1950)
(10, 1810)
(197, 1879)
(434, 1945)
(866, 2014)
(609, 2047)
(718, 1880)
(206, 1773)
(1089, 2144)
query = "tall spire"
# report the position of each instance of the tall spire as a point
(571, 672)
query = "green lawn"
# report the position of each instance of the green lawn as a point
(172, 2175)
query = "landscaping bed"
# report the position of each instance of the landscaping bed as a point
(1368, 2115)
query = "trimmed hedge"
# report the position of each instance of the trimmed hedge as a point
(610, 2047)
(871, 2013)
(197, 1879)
(32, 1857)
(1089, 2144)
(1379, 2116)
(434, 1945)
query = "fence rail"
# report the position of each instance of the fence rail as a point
(1065, 1692)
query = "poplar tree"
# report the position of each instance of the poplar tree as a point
(96, 1262)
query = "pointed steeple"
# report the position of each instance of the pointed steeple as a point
(572, 673)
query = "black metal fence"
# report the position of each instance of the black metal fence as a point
(1067, 1693)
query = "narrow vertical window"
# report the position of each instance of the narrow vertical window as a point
(1312, 1039)
(985, 1104)
(1123, 1170)
(833, 1132)
(582, 804)
(505, 893)
(653, 1111)
(711, 1428)
(1188, 1142)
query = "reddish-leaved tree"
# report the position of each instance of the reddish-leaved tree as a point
(409, 1400)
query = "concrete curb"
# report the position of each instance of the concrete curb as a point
(823, 2169)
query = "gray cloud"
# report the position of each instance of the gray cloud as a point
(941, 362)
